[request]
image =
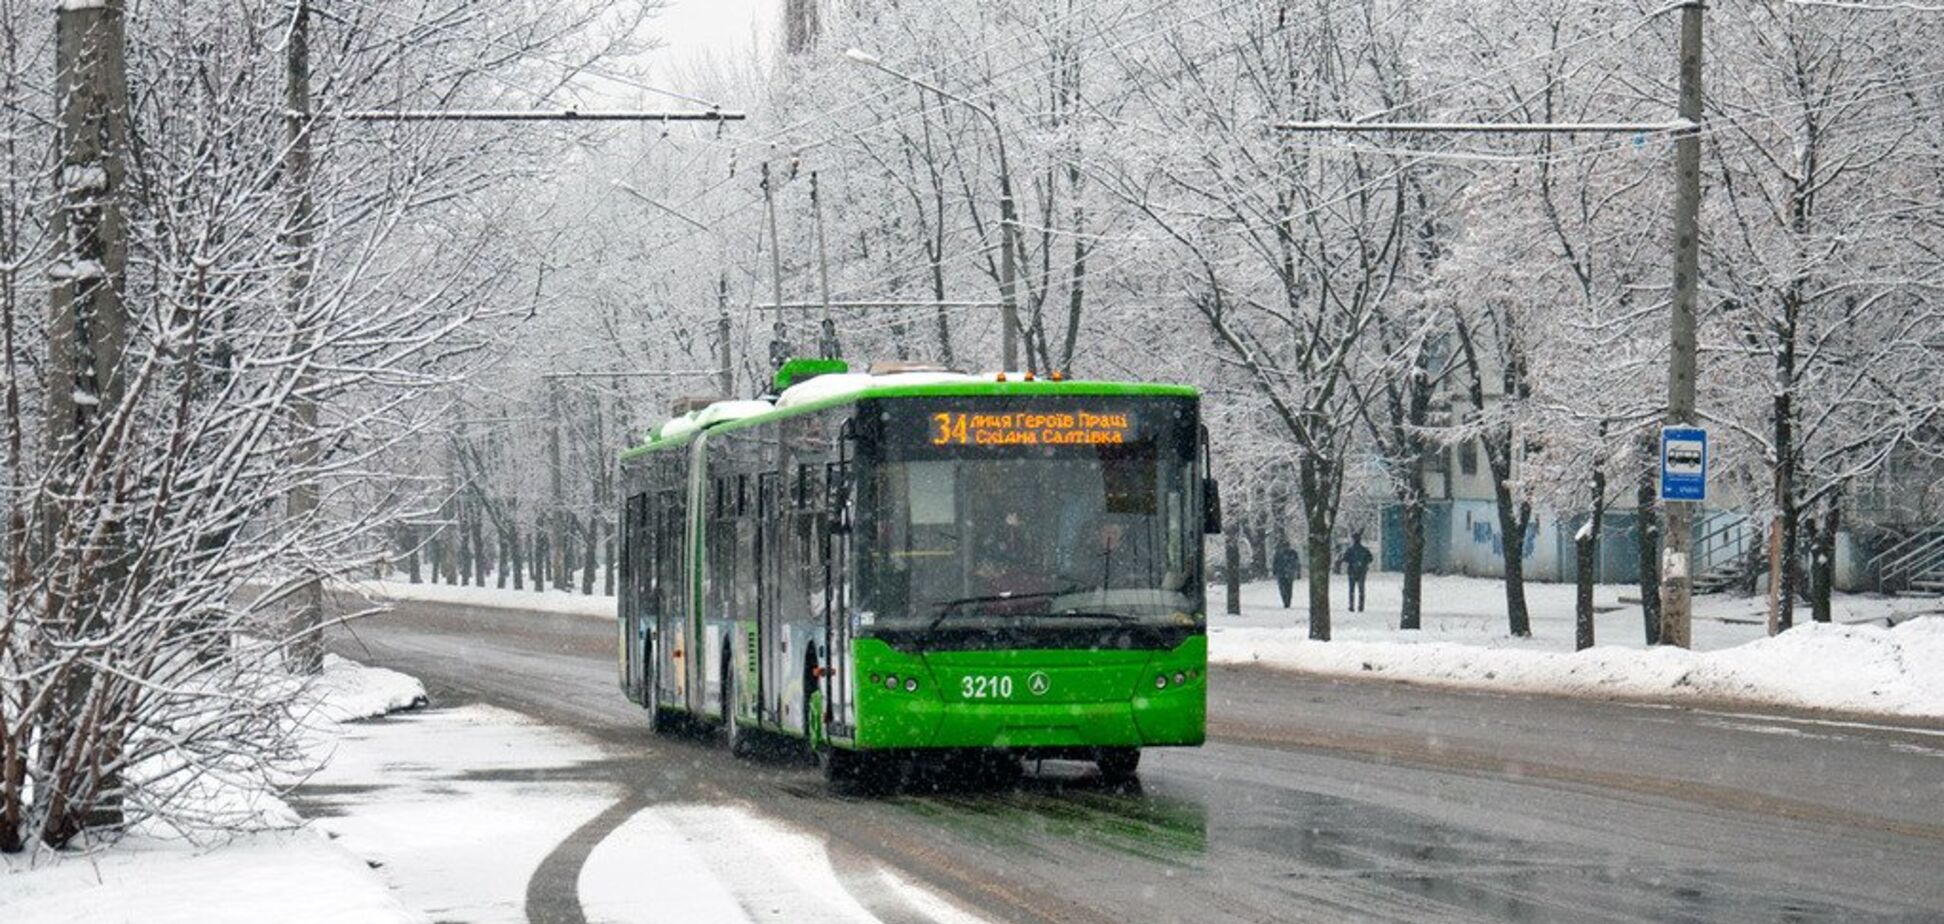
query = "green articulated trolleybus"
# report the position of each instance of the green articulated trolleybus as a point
(924, 564)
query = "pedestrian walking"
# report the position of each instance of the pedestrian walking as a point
(1287, 566)
(1356, 564)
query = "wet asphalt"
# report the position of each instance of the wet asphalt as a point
(1314, 800)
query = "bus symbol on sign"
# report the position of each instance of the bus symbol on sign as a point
(1684, 464)
(1039, 683)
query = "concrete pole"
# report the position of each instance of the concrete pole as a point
(1677, 535)
(87, 334)
(307, 648)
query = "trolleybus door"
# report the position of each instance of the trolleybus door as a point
(767, 572)
(837, 633)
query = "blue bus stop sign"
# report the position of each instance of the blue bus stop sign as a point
(1684, 464)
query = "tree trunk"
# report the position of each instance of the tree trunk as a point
(413, 569)
(590, 549)
(1784, 574)
(463, 542)
(1232, 568)
(1411, 512)
(1258, 552)
(1647, 537)
(482, 552)
(1319, 584)
(515, 552)
(1513, 517)
(563, 555)
(1586, 554)
(608, 566)
(1823, 566)
(505, 554)
(539, 558)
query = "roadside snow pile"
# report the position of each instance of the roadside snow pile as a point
(551, 601)
(277, 872)
(1849, 668)
(349, 690)
(291, 877)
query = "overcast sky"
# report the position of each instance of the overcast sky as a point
(695, 27)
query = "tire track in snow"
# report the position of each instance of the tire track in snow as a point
(701, 862)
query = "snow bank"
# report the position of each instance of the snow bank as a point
(1850, 668)
(154, 876)
(551, 601)
(292, 877)
(349, 690)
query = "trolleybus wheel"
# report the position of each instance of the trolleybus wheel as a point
(839, 766)
(1118, 764)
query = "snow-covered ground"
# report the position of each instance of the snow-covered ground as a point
(284, 873)
(446, 815)
(458, 808)
(542, 601)
(1858, 664)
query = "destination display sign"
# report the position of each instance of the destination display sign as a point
(1031, 428)
(999, 426)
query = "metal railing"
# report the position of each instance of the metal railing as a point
(1723, 545)
(1916, 555)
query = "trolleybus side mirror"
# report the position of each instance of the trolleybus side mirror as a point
(1211, 492)
(1212, 507)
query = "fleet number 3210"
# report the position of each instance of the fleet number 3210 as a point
(985, 687)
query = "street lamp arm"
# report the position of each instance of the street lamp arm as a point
(859, 56)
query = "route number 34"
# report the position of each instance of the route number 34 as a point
(985, 687)
(951, 429)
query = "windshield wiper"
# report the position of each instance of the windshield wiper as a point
(949, 607)
(1091, 614)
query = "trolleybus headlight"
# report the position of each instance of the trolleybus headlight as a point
(1160, 681)
(911, 684)
(1180, 678)
(876, 679)
(891, 682)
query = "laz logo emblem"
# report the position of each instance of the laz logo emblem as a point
(1039, 683)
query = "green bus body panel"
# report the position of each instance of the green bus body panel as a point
(1093, 698)
(939, 389)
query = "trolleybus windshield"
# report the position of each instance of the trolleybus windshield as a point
(1015, 514)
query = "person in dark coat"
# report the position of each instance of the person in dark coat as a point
(1287, 566)
(1356, 564)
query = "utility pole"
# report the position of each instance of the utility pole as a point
(87, 333)
(307, 619)
(1677, 533)
(722, 336)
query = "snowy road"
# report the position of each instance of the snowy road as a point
(1315, 800)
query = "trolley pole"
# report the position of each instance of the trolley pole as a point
(1677, 532)
(722, 336)
(827, 337)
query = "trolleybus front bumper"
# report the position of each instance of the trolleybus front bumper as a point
(1039, 699)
